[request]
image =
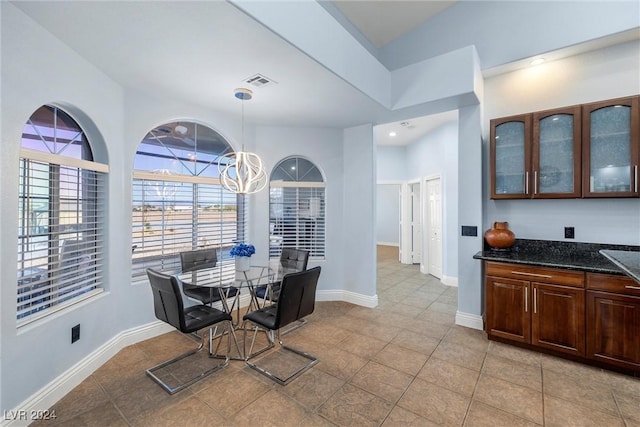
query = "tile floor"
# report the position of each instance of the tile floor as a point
(403, 363)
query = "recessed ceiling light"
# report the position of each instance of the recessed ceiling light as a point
(537, 61)
(392, 133)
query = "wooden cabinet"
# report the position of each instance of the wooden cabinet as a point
(558, 318)
(536, 305)
(507, 308)
(511, 157)
(611, 148)
(556, 153)
(590, 150)
(613, 320)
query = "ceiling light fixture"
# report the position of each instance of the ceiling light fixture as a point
(392, 134)
(537, 61)
(242, 172)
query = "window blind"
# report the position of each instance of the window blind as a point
(181, 213)
(297, 217)
(61, 235)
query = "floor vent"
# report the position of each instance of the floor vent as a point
(258, 80)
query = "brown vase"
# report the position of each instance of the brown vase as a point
(500, 237)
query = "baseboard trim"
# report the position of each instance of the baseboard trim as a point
(469, 320)
(397, 245)
(347, 296)
(449, 281)
(47, 396)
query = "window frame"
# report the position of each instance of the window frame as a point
(299, 230)
(206, 190)
(47, 283)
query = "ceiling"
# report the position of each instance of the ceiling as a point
(384, 21)
(199, 52)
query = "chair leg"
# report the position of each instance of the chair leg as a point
(251, 353)
(172, 390)
(231, 334)
(297, 325)
(284, 381)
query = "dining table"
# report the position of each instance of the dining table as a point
(221, 281)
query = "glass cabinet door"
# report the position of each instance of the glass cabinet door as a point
(611, 150)
(557, 153)
(510, 157)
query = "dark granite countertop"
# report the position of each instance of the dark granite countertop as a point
(548, 253)
(628, 261)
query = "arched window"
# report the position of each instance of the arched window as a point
(297, 208)
(178, 202)
(61, 207)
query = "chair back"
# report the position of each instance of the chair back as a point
(293, 260)
(198, 259)
(167, 299)
(297, 296)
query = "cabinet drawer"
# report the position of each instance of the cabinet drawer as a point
(536, 274)
(613, 283)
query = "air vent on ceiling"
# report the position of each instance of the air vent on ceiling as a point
(259, 80)
(407, 125)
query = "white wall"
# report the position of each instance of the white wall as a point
(436, 154)
(470, 304)
(391, 163)
(359, 211)
(40, 71)
(388, 214)
(598, 75)
(324, 147)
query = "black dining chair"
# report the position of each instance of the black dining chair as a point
(168, 307)
(292, 260)
(198, 260)
(296, 300)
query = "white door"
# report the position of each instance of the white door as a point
(434, 227)
(416, 225)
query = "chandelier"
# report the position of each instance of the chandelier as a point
(242, 172)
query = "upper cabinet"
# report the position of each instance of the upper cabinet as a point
(610, 161)
(510, 157)
(556, 153)
(587, 150)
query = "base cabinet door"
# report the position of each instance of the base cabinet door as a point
(507, 308)
(613, 329)
(557, 318)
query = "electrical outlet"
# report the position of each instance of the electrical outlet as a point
(75, 333)
(569, 233)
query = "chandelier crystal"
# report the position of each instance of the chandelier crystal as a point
(242, 172)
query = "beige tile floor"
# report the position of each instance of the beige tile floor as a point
(403, 363)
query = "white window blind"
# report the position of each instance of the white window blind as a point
(179, 213)
(61, 233)
(297, 217)
(178, 203)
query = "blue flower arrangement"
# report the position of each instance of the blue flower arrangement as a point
(242, 249)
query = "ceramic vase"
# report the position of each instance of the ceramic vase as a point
(500, 237)
(243, 263)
